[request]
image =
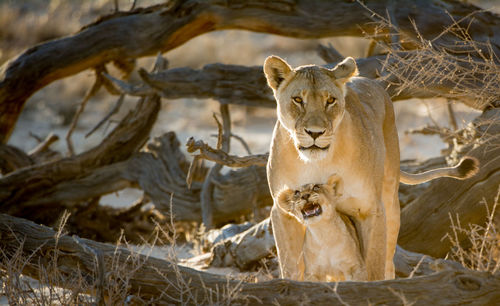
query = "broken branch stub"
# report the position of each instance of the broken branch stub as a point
(221, 157)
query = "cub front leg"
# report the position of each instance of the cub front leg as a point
(289, 237)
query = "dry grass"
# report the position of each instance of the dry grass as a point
(19, 289)
(481, 249)
(451, 60)
(52, 285)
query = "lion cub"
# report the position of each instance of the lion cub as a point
(331, 247)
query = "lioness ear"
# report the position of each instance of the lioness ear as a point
(276, 70)
(345, 70)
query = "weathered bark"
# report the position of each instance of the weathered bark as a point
(12, 158)
(127, 35)
(247, 85)
(158, 280)
(245, 248)
(223, 158)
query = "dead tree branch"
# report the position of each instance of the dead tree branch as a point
(247, 85)
(90, 93)
(160, 171)
(223, 144)
(221, 157)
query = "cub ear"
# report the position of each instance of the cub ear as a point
(345, 70)
(276, 70)
(285, 195)
(337, 183)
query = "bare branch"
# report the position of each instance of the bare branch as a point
(223, 144)
(44, 145)
(221, 157)
(92, 91)
(113, 111)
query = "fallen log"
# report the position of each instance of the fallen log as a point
(145, 31)
(156, 280)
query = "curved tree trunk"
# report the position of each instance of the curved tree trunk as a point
(128, 35)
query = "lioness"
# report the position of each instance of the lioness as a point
(331, 121)
(325, 259)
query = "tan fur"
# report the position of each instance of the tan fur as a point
(331, 248)
(355, 137)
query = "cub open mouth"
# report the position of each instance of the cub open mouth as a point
(311, 210)
(314, 147)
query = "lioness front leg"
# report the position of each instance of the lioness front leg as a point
(289, 236)
(372, 228)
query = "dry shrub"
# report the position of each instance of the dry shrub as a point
(482, 252)
(466, 66)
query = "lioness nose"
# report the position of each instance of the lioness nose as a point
(315, 134)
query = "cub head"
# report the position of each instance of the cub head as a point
(312, 203)
(310, 102)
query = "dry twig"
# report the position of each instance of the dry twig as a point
(221, 157)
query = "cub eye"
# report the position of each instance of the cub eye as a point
(297, 193)
(297, 100)
(316, 188)
(330, 101)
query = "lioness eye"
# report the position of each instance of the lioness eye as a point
(297, 193)
(330, 101)
(297, 100)
(316, 188)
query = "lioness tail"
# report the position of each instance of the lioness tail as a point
(466, 168)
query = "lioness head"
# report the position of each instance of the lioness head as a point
(310, 102)
(311, 203)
